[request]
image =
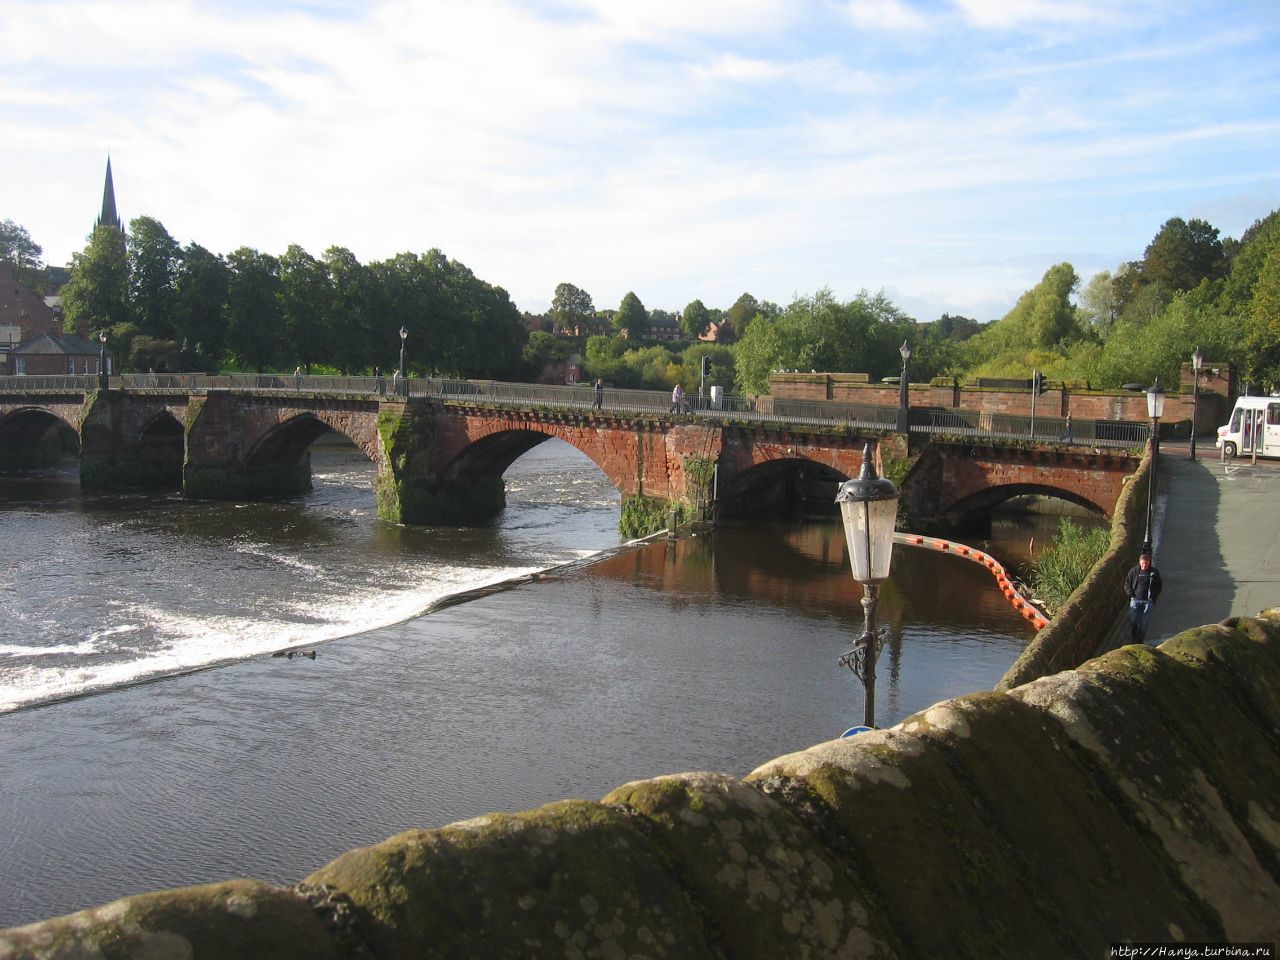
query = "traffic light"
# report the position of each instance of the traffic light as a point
(706, 365)
(1037, 382)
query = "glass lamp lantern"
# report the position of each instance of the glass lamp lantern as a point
(869, 509)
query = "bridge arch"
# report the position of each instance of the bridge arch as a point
(986, 500)
(491, 455)
(33, 436)
(785, 486)
(161, 448)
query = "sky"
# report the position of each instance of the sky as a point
(945, 152)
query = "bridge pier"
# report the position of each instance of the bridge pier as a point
(126, 441)
(414, 488)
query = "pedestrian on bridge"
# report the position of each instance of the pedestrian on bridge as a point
(677, 398)
(599, 392)
(297, 378)
(1142, 586)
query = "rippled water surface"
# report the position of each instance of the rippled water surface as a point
(716, 652)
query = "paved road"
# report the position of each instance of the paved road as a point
(1217, 540)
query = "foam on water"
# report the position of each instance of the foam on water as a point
(180, 642)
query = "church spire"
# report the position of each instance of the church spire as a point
(109, 217)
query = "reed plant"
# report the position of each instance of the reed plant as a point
(1063, 566)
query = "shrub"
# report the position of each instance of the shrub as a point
(1063, 567)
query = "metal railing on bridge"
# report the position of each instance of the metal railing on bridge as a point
(582, 396)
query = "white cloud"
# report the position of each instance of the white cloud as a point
(1020, 14)
(890, 15)
(676, 149)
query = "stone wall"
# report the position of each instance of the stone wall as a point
(1136, 798)
(1075, 632)
(1059, 399)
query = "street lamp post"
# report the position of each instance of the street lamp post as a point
(1197, 362)
(869, 509)
(904, 413)
(1155, 408)
(404, 335)
(102, 361)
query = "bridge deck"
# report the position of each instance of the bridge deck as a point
(581, 397)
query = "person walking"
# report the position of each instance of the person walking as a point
(677, 398)
(297, 378)
(599, 392)
(1142, 586)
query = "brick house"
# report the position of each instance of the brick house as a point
(24, 315)
(56, 354)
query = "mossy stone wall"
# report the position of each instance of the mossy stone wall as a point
(1136, 798)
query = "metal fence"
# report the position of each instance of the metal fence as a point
(970, 423)
(928, 420)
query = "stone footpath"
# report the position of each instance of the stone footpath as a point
(1216, 540)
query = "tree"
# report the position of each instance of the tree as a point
(153, 270)
(541, 351)
(695, 319)
(200, 292)
(97, 295)
(571, 307)
(305, 306)
(631, 320)
(756, 355)
(352, 330)
(1183, 254)
(957, 328)
(1262, 342)
(255, 323)
(17, 247)
(1042, 320)
(1099, 307)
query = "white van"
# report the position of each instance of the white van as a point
(1253, 417)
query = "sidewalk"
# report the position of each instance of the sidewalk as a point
(1217, 539)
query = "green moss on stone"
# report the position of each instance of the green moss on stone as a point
(569, 879)
(245, 919)
(767, 886)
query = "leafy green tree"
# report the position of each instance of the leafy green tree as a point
(305, 306)
(956, 328)
(1183, 254)
(97, 295)
(571, 307)
(1256, 244)
(1262, 342)
(826, 334)
(723, 372)
(541, 351)
(153, 271)
(631, 320)
(255, 319)
(695, 319)
(351, 325)
(1099, 307)
(17, 247)
(1043, 320)
(152, 353)
(745, 309)
(200, 293)
(756, 355)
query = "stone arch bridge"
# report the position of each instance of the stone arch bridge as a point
(441, 461)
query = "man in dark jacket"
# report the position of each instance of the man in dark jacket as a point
(1142, 586)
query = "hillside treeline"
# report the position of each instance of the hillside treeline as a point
(169, 307)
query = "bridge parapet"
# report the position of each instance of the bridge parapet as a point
(954, 478)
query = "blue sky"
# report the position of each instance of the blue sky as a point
(945, 151)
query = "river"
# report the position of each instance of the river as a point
(151, 738)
